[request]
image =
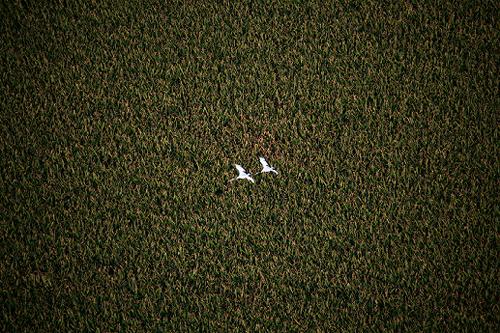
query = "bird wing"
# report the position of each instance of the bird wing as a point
(240, 168)
(263, 162)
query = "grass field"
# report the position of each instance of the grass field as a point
(120, 123)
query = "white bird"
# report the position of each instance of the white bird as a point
(242, 174)
(266, 167)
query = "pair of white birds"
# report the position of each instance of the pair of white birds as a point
(242, 174)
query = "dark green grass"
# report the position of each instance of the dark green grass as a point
(120, 123)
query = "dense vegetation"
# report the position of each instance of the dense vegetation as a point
(120, 123)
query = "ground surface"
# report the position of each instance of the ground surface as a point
(120, 124)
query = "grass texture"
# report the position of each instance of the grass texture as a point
(120, 123)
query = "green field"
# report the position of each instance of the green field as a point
(120, 122)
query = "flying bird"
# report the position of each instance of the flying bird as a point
(266, 167)
(242, 174)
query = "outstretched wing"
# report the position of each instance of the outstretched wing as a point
(263, 162)
(240, 168)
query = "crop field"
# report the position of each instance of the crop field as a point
(121, 122)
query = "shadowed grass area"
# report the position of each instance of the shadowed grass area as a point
(121, 122)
